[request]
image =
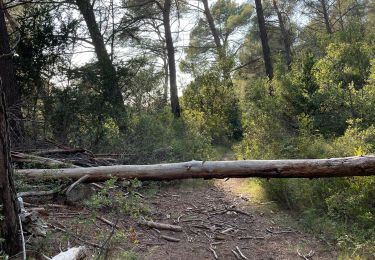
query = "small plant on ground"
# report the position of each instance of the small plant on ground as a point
(119, 198)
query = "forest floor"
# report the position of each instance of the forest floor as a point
(219, 219)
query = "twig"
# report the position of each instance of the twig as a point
(207, 235)
(156, 230)
(241, 254)
(139, 194)
(227, 230)
(157, 225)
(214, 252)
(192, 219)
(200, 226)
(71, 187)
(44, 205)
(107, 222)
(55, 205)
(216, 243)
(236, 254)
(267, 202)
(251, 237)
(104, 247)
(169, 238)
(179, 217)
(279, 232)
(97, 185)
(22, 239)
(306, 257)
(36, 209)
(240, 212)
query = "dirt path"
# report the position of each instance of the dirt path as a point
(217, 217)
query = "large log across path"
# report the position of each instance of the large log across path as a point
(300, 168)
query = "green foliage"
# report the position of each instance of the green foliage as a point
(214, 105)
(229, 18)
(118, 198)
(321, 108)
(343, 65)
(158, 137)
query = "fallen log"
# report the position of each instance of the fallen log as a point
(299, 168)
(36, 193)
(29, 158)
(61, 151)
(75, 253)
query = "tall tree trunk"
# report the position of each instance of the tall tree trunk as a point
(220, 49)
(111, 91)
(211, 24)
(341, 16)
(264, 39)
(285, 36)
(7, 75)
(175, 105)
(326, 16)
(9, 209)
(166, 78)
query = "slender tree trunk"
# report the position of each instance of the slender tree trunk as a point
(341, 18)
(220, 49)
(8, 206)
(175, 105)
(326, 16)
(264, 39)
(285, 36)
(211, 24)
(111, 90)
(7, 75)
(166, 78)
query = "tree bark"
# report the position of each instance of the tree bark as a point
(215, 33)
(326, 16)
(166, 79)
(9, 209)
(7, 76)
(175, 104)
(211, 24)
(264, 39)
(284, 35)
(306, 168)
(341, 16)
(111, 91)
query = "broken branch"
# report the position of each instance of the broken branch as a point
(157, 225)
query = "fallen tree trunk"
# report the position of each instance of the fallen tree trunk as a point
(29, 158)
(301, 168)
(60, 151)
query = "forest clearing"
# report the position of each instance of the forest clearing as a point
(187, 129)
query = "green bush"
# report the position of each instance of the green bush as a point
(215, 103)
(158, 137)
(322, 108)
